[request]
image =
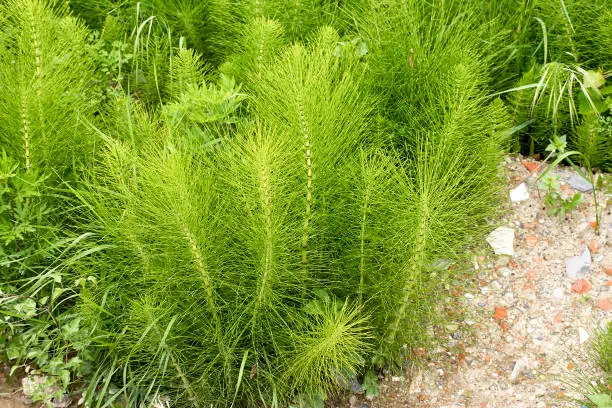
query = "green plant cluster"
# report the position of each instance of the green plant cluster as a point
(556, 65)
(239, 203)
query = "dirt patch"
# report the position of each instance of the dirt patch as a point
(10, 395)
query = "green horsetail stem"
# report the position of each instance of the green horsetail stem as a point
(412, 270)
(308, 157)
(266, 203)
(364, 214)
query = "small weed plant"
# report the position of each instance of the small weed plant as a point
(557, 205)
(560, 206)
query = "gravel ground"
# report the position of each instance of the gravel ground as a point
(519, 343)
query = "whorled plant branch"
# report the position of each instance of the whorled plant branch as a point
(412, 269)
(308, 157)
(266, 204)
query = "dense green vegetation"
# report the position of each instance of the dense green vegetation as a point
(255, 203)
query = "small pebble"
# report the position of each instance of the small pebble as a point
(519, 193)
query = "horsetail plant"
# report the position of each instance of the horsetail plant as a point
(45, 55)
(267, 238)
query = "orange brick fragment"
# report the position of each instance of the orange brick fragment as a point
(605, 305)
(504, 326)
(461, 357)
(581, 286)
(531, 166)
(500, 313)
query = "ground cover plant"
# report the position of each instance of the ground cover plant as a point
(253, 204)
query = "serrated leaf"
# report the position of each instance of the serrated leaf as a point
(65, 376)
(57, 292)
(71, 329)
(13, 351)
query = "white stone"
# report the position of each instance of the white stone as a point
(501, 240)
(521, 364)
(579, 183)
(578, 265)
(583, 335)
(519, 193)
(558, 293)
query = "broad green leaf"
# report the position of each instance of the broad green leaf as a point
(601, 400)
(25, 308)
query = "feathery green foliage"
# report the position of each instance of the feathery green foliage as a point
(44, 71)
(593, 138)
(269, 188)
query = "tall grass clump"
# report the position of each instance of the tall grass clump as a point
(238, 236)
(557, 49)
(45, 98)
(433, 82)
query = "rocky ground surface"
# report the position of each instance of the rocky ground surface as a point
(528, 321)
(10, 391)
(530, 317)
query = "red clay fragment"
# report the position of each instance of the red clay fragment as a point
(461, 357)
(581, 286)
(605, 305)
(500, 313)
(594, 246)
(531, 166)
